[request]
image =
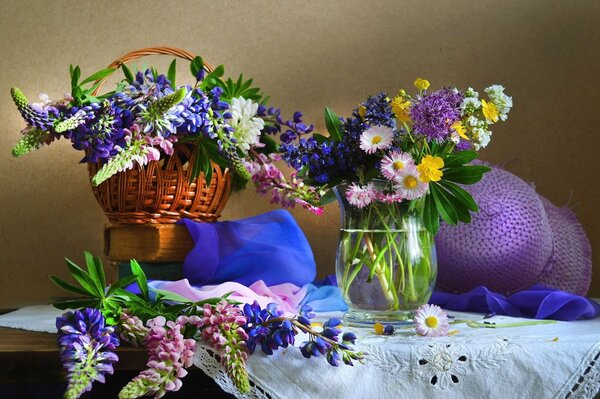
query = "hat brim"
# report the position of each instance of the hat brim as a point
(570, 266)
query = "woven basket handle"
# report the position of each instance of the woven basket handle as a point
(135, 54)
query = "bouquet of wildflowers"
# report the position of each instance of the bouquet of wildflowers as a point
(170, 326)
(417, 147)
(397, 165)
(148, 112)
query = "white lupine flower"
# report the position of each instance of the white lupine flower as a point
(246, 126)
(503, 102)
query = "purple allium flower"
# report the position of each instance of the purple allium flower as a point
(434, 113)
(85, 349)
(169, 355)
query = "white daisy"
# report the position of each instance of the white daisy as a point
(361, 196)
(408, 184)
(246, 126)
(431, 321)
(393, 164)
(376, 138)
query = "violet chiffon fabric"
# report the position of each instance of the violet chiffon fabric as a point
(537, 302)
(270, 247)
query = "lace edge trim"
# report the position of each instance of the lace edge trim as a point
(586, 378)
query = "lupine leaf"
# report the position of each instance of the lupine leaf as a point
(142, 282)
(68, 287)
(463, 195)
(465, 174)
(443, 205)
(122, 283)
(431, 217)
(127, 73)
(171, 74)
(97, 75)
(459, 158)
(95, 270)
(76, 304)
(83, 278)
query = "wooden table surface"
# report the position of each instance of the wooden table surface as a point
(27, 356)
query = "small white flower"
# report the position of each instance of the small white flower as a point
(376, 138)
(469, 105)
(481, 138)
(503, 102)
(408, 184)
(393, 164)
(246, 126)
(431, 321)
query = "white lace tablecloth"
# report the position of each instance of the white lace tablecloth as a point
(559, 360)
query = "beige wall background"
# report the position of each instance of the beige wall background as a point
(305, 54)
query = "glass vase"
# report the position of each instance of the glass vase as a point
(386, 263)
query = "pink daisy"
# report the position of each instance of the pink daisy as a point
(376, 138)
(361, 196)
(409, 185)
(393, 164)
(431, 321)
(389, 198)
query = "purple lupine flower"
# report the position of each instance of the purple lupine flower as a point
(169, 355)
(434, 113)
(85, 349)
(223, 327)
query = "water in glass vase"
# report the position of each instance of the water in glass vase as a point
(386, 264)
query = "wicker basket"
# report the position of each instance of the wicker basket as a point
(161, 192)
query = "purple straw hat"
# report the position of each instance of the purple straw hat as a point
(517, 239)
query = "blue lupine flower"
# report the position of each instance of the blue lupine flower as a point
(86, 344)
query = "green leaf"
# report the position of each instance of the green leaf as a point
(76, 304)
(465, 174)
(207, 168)
(171, 74)
(327, 198)
(68, 287)
(95, 270)
(443, 205)
(83, 279)
(196, 66)
(128, 74)
(75, 75)
(320, 138)
(219, 71)
(215, 155)
(431, 217)
(465, 198)
(98, 75)
(197, 164)
(462, 212)
(171, 296)
(333, 124)
(122, 283)
(142, 282)
(459, 158)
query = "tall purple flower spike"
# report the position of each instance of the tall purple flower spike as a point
(517, 239)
